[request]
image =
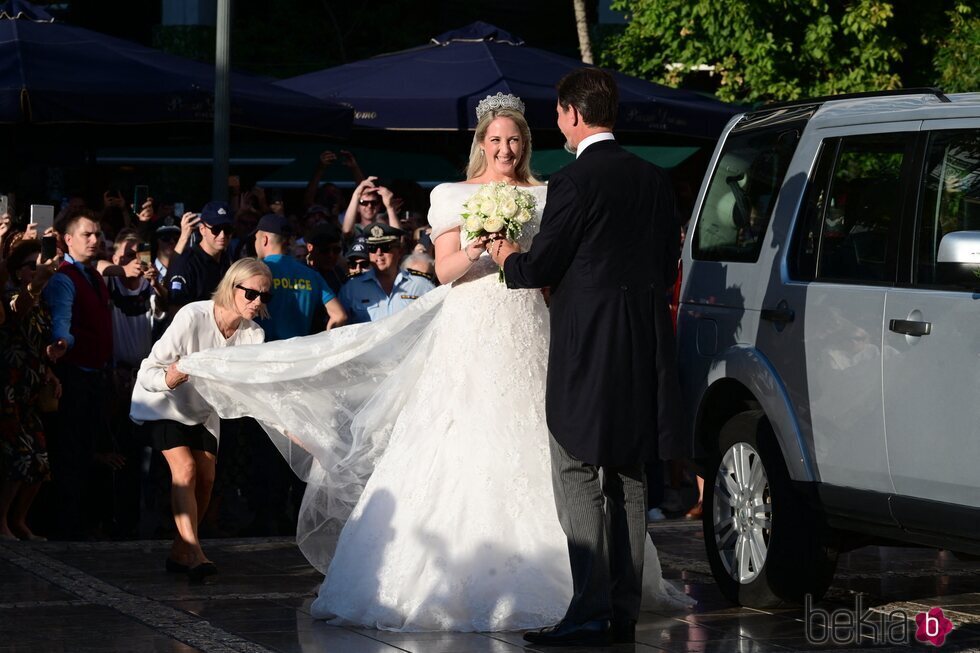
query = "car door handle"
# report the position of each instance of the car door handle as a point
(910, 327)
(780, 315)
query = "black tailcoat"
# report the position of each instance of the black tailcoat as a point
(608, 248)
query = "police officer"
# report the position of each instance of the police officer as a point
(195, 274)
(297, 289)
(358, 258)
(384, 290)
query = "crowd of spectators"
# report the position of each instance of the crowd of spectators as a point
(85, 301)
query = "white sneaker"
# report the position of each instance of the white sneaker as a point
(655, 514)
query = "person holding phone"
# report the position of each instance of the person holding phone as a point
(369, 203)
(195, 274)
(26, 375)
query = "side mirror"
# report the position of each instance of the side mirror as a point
(958, 259)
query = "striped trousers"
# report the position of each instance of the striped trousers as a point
(603, 513)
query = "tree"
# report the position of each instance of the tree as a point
(582, 25)
(760, 50)
(957, 59)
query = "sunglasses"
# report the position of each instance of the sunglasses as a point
(369, 202)
(251, 294)
(220, 228)
(384, 248)
(358, 264)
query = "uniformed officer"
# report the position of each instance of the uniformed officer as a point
(298, 291)
(195, 274)
(384, 290)
(358, 258)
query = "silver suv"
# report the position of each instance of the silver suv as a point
(829, 336)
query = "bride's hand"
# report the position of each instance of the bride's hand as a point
(475, 248)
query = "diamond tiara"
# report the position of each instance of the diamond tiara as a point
(497, 102)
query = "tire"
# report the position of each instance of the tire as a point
(766, 546)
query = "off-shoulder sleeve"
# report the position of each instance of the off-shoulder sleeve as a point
(445, 207)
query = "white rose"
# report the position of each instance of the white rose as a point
(493, 224)
(508, 208)
(485, 192)
(473, 223)
(488, 206)
(523, 216)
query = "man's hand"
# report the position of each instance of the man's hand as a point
(347, 159)
(174, 376)
(56, 350)
(386, 196)
(500, 249)
(326, 158)
(146, 213)
(188, 223)
(133, 269)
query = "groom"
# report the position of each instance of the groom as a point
(611, 352)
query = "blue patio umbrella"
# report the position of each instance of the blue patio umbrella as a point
(54, 73)
(437, 86)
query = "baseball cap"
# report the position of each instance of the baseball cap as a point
(216, 213)
(358, 250)
(274, 223)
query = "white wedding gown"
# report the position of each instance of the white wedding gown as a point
(423, 439)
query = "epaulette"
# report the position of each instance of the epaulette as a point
(424, 275)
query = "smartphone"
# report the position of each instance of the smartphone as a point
(143, 252)
(42, 215)
(4, 204)
(49, 247)
(178, 211)
(140, 195)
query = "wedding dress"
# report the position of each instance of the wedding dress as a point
(423, 439)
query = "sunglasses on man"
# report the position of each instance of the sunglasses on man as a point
(384, 248)
(227, 229)
(369, 202)
(358, 264)
(251, 294)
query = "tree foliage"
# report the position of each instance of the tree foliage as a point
(957, 59)
(762, 50)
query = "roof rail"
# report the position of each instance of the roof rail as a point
(931, 90)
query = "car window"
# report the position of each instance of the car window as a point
(741, 194)
(950, 198)
(859, 213)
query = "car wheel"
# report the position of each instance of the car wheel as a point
(766, 546)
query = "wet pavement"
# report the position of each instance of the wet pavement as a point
(115, 596)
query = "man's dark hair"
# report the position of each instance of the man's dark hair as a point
(593, 92)
(68, 224)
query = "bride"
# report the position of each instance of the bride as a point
(422, 437)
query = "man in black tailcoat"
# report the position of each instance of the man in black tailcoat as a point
(612, 377)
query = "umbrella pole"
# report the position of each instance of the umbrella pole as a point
(222, 104)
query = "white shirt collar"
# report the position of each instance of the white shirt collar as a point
(594, 138)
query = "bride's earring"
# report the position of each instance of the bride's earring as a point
(481, 153)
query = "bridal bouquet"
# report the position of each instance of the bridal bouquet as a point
(497, 208)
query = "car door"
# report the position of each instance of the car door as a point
(848, 251)
(931, 345)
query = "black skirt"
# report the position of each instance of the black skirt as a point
(168, 434)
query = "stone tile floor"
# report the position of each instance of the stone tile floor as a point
(115, 596)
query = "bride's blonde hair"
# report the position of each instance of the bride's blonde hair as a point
(478, 161)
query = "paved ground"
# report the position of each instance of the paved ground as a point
(114, 596)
